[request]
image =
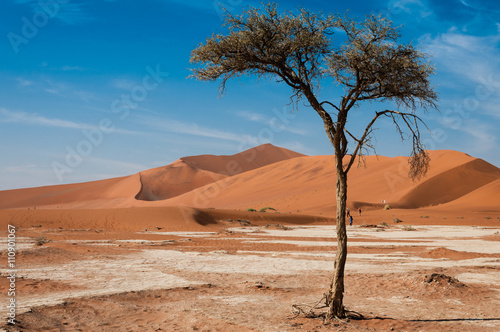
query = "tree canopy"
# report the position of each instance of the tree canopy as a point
(301, 50)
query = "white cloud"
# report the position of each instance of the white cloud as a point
(69, 13)
(271, 122)
(24, 82)
(250, 116)
(123, 84)
(468, 57)
(119, 168)
(411, 7)
(7, 116)
(72, 68)
(35, 119)
(191, 128)
(480, 139)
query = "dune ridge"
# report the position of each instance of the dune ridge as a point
(451, 184)
(307, 184)
(189, 173)
(116, 191)
(280, 178)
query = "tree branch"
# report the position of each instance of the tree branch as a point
(405, 116)
(329, 103)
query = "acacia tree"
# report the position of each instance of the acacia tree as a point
(299, 50)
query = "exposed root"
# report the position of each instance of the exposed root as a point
(316, 310)
(310, 310)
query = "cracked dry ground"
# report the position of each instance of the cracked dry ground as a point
(436, 278)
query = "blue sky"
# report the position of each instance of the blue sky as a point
(98, 89)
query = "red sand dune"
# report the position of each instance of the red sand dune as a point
(160, 183)
(483, 199)
(247, 160)
(189, 173)
(173, 180)
(280, 178)
(117, 191)
(307, 184)
(451, 184)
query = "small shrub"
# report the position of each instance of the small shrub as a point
(488, 217)
(460, 217)
(384, 224)
(278, 226)
(368, 225)
(41, 240)
(267, 208)
(426, 217)
(409, 228)
(397, 220)
(251, 210)
(387, 207)
(244, 222)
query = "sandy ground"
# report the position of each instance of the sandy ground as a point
(183, 248)
(248, 278)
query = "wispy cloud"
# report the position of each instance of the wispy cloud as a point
(194, 129)
(482, 137)
(123, 84)
(60, 89)
(119, 167)
(70, 13)
(250, 116)
(7, 116)
(24, 82)
(464, 56)
(72, 68)
(409, 7)
(270, 121)
(198, 4)
(473, 6)
(39, 120)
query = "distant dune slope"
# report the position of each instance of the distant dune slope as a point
(173, 180)
(117, 191)
(483, 199)
(272, 176)
(451, 184)
(189, 173)
(307, 184)
(247, 160)
(156, 184)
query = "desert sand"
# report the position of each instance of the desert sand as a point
(179, 248)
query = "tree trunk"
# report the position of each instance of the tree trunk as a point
(336, 293)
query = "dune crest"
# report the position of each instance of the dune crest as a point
(189, 173)
(269, 176)
(307, 184)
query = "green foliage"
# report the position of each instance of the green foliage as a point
(267, 208)
(251, 210)
(387, 207)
